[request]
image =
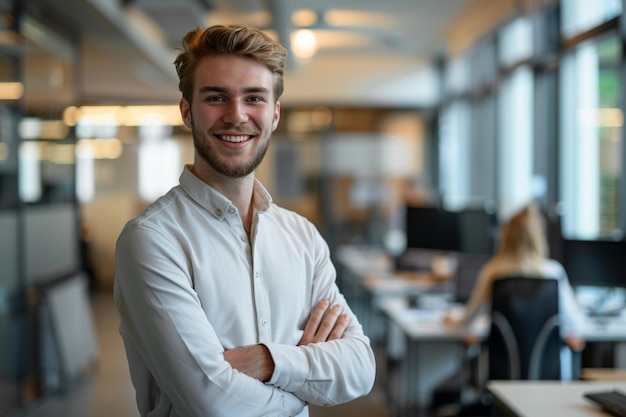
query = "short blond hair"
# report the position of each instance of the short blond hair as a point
(229, 40)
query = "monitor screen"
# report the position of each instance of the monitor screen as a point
(554, 236)
(599, 263)
(431, 228)
(477, 231)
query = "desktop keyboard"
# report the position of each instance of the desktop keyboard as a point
(613, 402)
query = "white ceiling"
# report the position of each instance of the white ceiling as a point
(376, 53)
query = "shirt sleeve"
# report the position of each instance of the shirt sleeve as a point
(570, 312)
(161, 317)
(332, 372)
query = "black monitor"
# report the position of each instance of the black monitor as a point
(477, 231)
(595, 263)
(431, 228)
(553, 233)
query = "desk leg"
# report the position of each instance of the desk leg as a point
(424, 367)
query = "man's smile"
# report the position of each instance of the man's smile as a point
(234, 138)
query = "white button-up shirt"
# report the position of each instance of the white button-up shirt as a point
(189, 285)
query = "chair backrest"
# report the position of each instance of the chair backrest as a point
(524, 341)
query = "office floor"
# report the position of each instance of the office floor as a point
(107, 390)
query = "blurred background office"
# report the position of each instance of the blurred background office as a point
(456, 105)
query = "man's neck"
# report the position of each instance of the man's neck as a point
(237, 190)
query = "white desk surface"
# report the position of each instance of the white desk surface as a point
(362, 259)
(427, 323)
(551, 398)
(400, 283)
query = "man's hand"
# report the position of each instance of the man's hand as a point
(326, 323)
(254, 361)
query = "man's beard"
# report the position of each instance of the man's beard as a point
(203, 146)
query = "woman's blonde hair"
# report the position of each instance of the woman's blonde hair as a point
(235, 40)
(523, 238)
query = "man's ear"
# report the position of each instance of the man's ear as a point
(276, 117)
(185, 112)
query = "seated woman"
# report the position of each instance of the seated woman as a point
(522, 250)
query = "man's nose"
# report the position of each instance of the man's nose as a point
(235, 112)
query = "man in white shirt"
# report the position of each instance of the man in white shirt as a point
(228, 303)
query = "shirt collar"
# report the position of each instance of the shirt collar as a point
(214, 201)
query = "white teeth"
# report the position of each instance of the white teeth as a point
(234, 139)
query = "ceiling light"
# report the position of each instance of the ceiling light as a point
(344, 18)
(304, 43)
(11, 90)
(123, 115)
(304, 18)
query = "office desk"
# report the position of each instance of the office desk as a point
(603, 374)
(612, 330)
(431, 352)
(353, 263)
(428, 353)
(367, 277)
(548, 398)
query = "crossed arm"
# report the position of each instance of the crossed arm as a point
(326, 323)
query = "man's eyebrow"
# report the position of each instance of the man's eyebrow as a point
(247, 90)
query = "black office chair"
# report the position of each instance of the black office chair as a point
(524, 340)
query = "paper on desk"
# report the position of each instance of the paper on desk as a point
(423, 315)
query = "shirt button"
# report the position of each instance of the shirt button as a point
(219, 212)
(231, 210)
(264, 322)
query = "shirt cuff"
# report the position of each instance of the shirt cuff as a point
(291, 366)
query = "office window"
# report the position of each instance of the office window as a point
(515, 140)
(546, 33)
(515, 42)
(482, 152)
(467, 153)
(578, 16)
(30, 172)
(546, 137)
(591, 138)
(483, 64)
(454, 155)
(456, 76)
(85, 172)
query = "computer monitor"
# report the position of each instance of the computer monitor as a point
(553, 233)
(595, 263)
(432, 228)
(477, 231)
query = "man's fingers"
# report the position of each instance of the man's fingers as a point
(314, 322)
(340, 327)
(324, 324)
(328, 324)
